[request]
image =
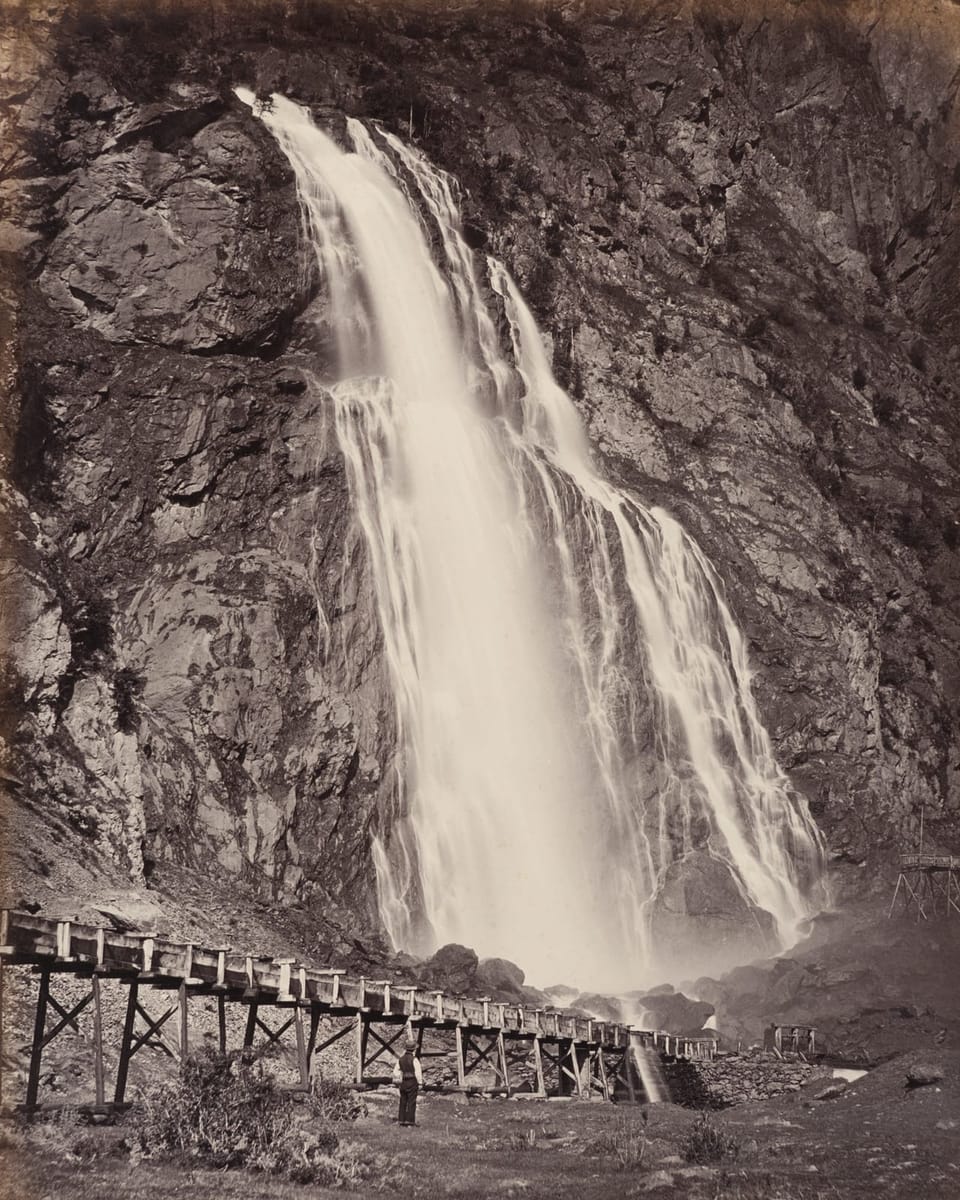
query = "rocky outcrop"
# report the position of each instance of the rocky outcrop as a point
(754, 308)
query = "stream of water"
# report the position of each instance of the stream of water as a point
(573, 695)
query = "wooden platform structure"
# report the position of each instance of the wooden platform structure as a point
(928, 884)
(791, 1039)
(563, 1053)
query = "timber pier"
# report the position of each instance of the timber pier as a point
(562, 1053)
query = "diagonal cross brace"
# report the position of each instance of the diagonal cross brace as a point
(385, 1045)
(273, 1035)
(68, 1018)
(154, 1025)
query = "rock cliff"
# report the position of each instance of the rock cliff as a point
(737, 223)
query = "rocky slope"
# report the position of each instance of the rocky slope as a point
(739, 228)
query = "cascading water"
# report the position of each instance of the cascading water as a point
(573, 696)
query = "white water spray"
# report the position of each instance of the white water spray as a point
(573, 696)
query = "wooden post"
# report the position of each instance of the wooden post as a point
(98, 1043)
(63, 939)
(283, 987)
(604, 1085)
(502, 1056)
(538, 1064)
(302, 1060)
(125, 1043)
(39, 1028)
(461, 1073)
(184, 1029)
(361, 1046)
(312, 1038)
(251, 1031)
(222, 1022)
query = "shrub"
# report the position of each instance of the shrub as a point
(335, 1101)
(705, 1143)
(222, 1108)
(226, 1111)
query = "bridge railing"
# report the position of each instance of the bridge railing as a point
(164, 962)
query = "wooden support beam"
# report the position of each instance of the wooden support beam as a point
(182, 1003)
(125, 1043)
(361, 1044)
(502, 1056)
(385, 1044)
(285, 972)
(69, 1018)
(250, 1032)
(538, 1067)
(303, 1061)
(36, 1050)
(461, 1059)
(152, 1035)
(312, 1036)
(351, 1028)
(222, 1022)
(604, 1085)
(98, 1079)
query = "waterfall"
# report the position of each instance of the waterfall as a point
(574, 705)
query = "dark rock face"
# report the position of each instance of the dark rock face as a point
(703, 914)
(453, 968)
(871, 988)
(754, 306)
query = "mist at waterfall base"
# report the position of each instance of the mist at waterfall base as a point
(577, 736)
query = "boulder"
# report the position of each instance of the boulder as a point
(923, 1074)
(500, 978)
(452, 969)
(675, 1012)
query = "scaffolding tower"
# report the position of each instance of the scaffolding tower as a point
(928, 884)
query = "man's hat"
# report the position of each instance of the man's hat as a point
(410, 1044)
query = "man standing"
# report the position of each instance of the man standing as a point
(409, 1075)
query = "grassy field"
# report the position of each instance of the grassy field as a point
(877, 1140)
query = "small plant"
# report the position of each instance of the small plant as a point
(334, 1101)
(705, 1143)
(626, 1142)
(524, 1139)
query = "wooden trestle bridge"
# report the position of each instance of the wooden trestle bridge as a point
(562, 1053)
